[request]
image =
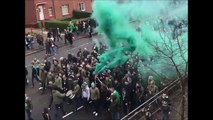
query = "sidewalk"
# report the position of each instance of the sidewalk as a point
(36, 48)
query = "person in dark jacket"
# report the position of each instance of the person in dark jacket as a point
(66, 31)
(46, 114)
(70, 37)
(165, 106)
(58, 34)
(126, 93)
(48, 46)
(47, 65)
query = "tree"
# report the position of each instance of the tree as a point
(172, 51)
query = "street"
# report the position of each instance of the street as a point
(40, 101)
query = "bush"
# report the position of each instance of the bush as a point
(55, 23)
(80, 14)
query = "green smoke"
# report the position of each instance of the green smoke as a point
(113, 23)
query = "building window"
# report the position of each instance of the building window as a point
(50, 11)
(65, 9)
(82, 6)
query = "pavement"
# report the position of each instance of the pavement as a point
(36, 48)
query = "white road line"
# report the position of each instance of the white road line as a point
(77, 109)
(67, 114)
(79, 46)
(72, 112)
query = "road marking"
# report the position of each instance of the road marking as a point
(79, 46)
(73, 111)
(79, 108)
(67, 114)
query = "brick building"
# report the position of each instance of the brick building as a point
(38, 10)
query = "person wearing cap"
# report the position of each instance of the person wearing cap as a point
(85, 95)
(28, 107)
(77, 92)
(95, 96)
(165, 106)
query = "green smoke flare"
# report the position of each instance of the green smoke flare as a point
(113, 20)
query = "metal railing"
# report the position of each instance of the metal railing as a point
(138, 112)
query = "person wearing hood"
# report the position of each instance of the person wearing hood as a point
(95, 96)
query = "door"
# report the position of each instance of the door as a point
(41, 12)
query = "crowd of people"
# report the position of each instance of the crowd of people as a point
(118, 90)
(53, 35)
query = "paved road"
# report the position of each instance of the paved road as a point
(40, 101)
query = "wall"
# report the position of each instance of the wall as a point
(30, 13)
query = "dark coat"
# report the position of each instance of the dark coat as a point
(45, 116)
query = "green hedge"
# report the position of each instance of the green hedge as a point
(54, 24)
(80, 14)
(62, 23)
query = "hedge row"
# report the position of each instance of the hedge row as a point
(80, 14)
(61, 24)
(54, 24)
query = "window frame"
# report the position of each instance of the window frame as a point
(84, 6)
(50, 8)
(62, 7)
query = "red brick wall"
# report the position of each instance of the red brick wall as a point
(73, 5)
(30, 13)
